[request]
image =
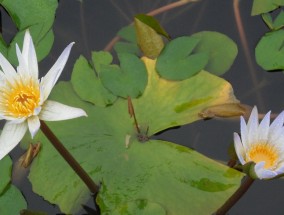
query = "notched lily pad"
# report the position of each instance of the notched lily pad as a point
(84, 74)
(36, 15)
(5, 173)
(155, 171)
(264, 6)
(128, 79)
(269, 51)
(12, 201)
(221, 50)
(129, 45)
(277, 23)
(177, 60)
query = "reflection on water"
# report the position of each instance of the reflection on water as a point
(92, 24)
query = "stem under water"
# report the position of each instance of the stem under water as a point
(69, 158)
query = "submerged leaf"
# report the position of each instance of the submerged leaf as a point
(29, 212)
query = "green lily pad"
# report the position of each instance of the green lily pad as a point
(177, 60)
(101, 58)
(128, 33)
(264, 6)
(277, 23)
(140, 207)
(12, 201)
(126, 47)
(178, 102)
(221, 50)
(129, 79)
(269, 51)
(166, 176)
(5, 174)
(35, 15)
(129, 45)
(84, 74)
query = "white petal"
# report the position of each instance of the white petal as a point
(49, 80)
(34, 125)
(244, 132)
(37, 110)
(239, 148)
(280, 169)
(41, 101)
(279, 142)
(33, 64)
(55, 111)
(10, 137)
(23, 67)
(253, 126)
(263, 173)
(12, 120)
(263, 128)
(26, 46)
(276, 127)
(15, 120)
(7, 69)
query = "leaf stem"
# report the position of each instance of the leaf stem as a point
(132, 114)
(248, 181)
(69, 158)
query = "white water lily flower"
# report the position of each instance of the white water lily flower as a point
(23, 97)
(262, 144)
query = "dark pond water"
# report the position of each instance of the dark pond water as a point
(93, 23)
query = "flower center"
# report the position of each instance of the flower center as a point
(22, 99)
(264, 152)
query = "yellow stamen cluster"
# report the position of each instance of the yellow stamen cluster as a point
(263, 152)
(22, 99)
